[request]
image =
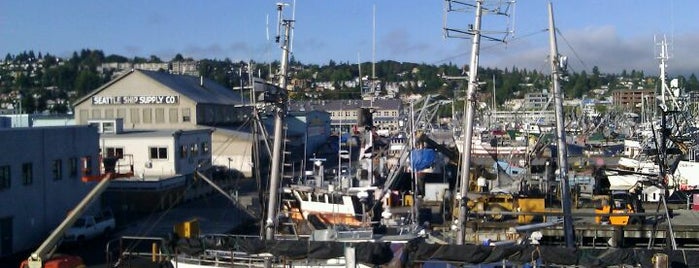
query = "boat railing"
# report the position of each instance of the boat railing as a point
(225, 258)
(127, 249)
(355, 234)
(218, 250)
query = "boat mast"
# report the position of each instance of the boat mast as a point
(279, 114)
(561, 134)
(468, 123)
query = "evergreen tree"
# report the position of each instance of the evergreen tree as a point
(692, 83)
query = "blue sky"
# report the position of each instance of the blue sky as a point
(610, 34)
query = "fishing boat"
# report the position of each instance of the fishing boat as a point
(343, 240)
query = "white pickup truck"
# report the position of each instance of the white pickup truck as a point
(89, 227)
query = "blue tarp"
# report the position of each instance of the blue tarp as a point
(422, 158)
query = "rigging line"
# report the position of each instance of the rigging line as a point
(490, 46)
(229, 140)
(572, 49)
(145, 230)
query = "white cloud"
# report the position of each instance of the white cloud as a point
(596, 46)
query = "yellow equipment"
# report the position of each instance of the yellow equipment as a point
(502, 202)
(187, 229)
(619, 203)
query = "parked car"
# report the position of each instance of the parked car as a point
(90, 227)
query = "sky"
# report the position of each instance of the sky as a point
(613, 35)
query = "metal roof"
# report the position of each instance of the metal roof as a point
(189, 86)
(192, 87)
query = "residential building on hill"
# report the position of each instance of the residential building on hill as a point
(632, 99)
(344, 114)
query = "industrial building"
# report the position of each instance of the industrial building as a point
(40, 182)
(162, 162)
(159, 100)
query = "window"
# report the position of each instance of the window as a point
(183, 151)
(186, 115)
(113, 151)
(147, 115)
(121, 113)
(27, 174)
(159, 115)
(108, 127)
(96, 113)
(5, 179)
(195, 149)
(73, 166)
(173, 115)
(84, 114)
(57, 169)
(109, 113)
(135, 118)
(87, 168)
(205, 148)
(158, 152)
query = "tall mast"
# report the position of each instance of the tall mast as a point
(468, 124)
(280, 113)
(359, 69)
(561, 134)
(475, 33)
(373, 43)
(663, 57)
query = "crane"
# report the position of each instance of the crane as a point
(43, 256)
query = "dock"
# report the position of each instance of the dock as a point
(214, 213)
(685, 225)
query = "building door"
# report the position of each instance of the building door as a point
(5, 236)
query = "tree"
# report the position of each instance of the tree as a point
(692, 83)
(28, 103)
(154, 59)
(139, 60)
(116, 58)
(178, 57)
(86, 82)
(23, 81)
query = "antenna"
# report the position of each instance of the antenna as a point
(280, 7)
(291, 34)
(267, 26)
(373, 43)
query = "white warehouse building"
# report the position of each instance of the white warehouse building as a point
(159, 100)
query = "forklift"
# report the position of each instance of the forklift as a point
(620, 202)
